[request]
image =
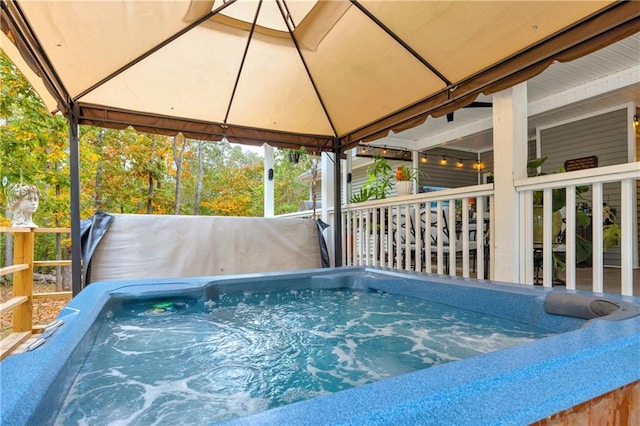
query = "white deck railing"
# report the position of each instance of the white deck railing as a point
(626, 176)
(412, 232)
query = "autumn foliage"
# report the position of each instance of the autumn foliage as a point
(123, 171)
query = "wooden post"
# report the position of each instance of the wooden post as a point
(23, 280)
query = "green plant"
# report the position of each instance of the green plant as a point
(378, 185)
(584, 247)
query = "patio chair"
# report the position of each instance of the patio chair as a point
(446, 245)
(558, 247)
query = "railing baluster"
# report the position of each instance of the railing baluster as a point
(398, 247)
(417, 231)
(626, 243)
(390, 248)
(527, 260)
(570, 241)
(597, 256)
(480, 237)
(440, 238)
(547, 246)
(407, 237)
(465, 237)
(348, 253)
(451, 222)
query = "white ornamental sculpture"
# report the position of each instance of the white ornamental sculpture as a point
(23, 201)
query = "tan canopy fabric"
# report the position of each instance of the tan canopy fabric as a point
(320, 74)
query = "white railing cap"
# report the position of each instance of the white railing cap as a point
(614, 173)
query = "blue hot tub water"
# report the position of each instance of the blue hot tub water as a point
(195, 363)
(557, 362)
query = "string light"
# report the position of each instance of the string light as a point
(443, 161)
(636, 121)
(459, 163)
(424, 158)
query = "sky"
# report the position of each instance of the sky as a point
(257, 149)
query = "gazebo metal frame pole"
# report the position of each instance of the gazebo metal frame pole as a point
(74, 168)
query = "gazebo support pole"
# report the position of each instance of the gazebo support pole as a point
(337, 205)
(74, 165)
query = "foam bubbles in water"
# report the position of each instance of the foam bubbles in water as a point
(252, 351)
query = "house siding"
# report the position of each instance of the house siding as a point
(433, 174)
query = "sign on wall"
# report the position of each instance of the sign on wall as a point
(581, 163)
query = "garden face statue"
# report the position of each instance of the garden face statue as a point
(23, 201)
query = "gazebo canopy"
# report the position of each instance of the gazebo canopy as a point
(324, 75)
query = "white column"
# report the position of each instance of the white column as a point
(268, 183)
(328, 185)
(510, 158)
(632, 144)
(415, 164)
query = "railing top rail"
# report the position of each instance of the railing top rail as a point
(604, 174)
(301, 213)
(14, 229)
(443, 195)
(52, 230)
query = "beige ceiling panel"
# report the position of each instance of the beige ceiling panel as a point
(367, 80)
(88, 40)
(485, 31)
(275, 91)
(188, 77)
(363, 73)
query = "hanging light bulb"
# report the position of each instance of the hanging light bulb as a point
(443, 161)
(459, 163)
(424, 158)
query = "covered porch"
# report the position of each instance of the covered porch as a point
(386, 233)
(592, 103)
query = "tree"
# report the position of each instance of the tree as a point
(198, 195)
(32, 144)
(123, 171)
(178, 156)
(289, 190)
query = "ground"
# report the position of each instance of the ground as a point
(44, 310)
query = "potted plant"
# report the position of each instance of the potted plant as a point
(404, 180)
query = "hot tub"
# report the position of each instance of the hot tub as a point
(594, 350)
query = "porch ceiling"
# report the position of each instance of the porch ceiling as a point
(324, 75)
(607, 78)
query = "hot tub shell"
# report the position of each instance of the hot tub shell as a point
(518, 385)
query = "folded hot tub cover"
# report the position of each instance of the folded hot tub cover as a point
(169, 246)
